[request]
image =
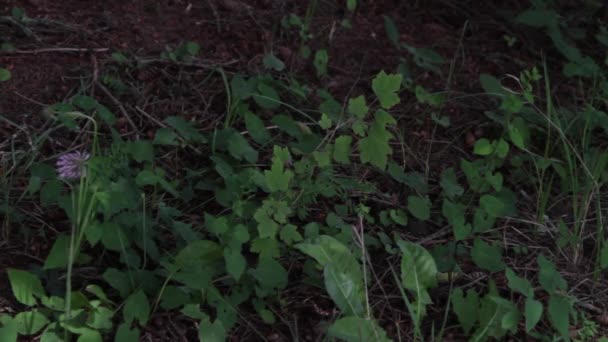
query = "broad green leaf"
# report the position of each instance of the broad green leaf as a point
(358, 107)
(84, 102)
(398, 216)
(266, 248)
(211, 332)
(487, 257)
(239, 148)
(492, 205)
(5, 75)
(289, 234)
(418, 268)
(533, 311)
(375, 147)
(322, 248)
(58, 256)
(119, 280)
(173, 297)
(519, 284)
(30, 322)
(323, 158)
(519, 133)
(320, 62)
(344, 284)
(538, 17)
(483, 147)
(465, 308)
(100, 318)
(255, 127)
(342, 149)
(482, 221)
(267, 97)
(235, 262)
(270, 273)
(511, 104)
(272, 62)
(25, 286)
(559, 314)
(141, 150)
(548, 276)
(50, 334)
(125, 334)
(137, 308)
(419, 207)
(199, 252)
(491, 85)
(386, 87)
(357, 329)
(449, 183)
(185, 129)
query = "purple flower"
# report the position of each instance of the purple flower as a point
(72, 165)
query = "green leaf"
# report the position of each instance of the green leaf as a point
(211, 332)
(272, 62)
(8, 331)
(165, 136)
(604, 256)
(492, 205)
(375, 148)
(235, 262)
(533, 311)
(266, 247)
(200, 252)
(357, 329)
(30, 322)
(559, 314)
(391, 30)
(277, 177)
(173, 297)
(325, 122)
(5, 75)
(141, 150)
(323, 249)
(487, 257)
(125, 334)
(289, 234)
(449, 183)
(398, 216)
(386, 87)
(58, 256)
(491, 85)
(137, 308)
(351, 5)
(419, 207)
(320, 62)
(418, 268)
(267, 97)
(255, 127)
(483, 147)
(270, 274)
(358, 107)
(538, 17)
(519, 284)
(323, 158)
(519, 133)
(239, 148)
(25, 286)
(118, 280)
(466, 308)
(344, 284)
(548, 276)
(342, 149)
(185, 129)
(511, 104)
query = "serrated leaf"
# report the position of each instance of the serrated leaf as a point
(548, 276)
(398, 216)
(141, 150)
(358, 107)
(492, 205)
(357, 329)
(519, 284)
(289, 234)
(375, 147)
(239, 148)
(342, 149)
(465, 308)
(419, 207)
(559, 314)
(487, 257)
(165, 136)
(533, 312)
(185, 129)
(386, 87)
(137, 308)
(25, 286)
(325, 122)
(449, 183)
